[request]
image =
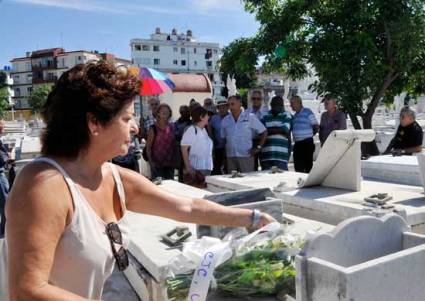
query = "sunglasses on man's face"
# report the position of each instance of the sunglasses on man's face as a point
(256, 98)
(114, 235)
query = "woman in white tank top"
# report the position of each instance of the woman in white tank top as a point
(66, 215)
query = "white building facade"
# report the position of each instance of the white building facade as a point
(9, 84)
(46, 66)
(178, 53)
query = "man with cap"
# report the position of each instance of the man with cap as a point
(239, 129)
(331, 120)
(219, 152)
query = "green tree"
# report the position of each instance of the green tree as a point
(239, 60)
(361, 50)
(3, 77)
(38, 97)
(4, 103)
(4, 94)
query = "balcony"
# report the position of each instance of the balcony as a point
(47, 80)
(44, 66)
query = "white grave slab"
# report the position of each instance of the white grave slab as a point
(341, 152)
(363, 258)
(148, 249)
(325, 204)
(30, 148)
(399, 169)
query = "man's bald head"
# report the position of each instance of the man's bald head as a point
(296, 103)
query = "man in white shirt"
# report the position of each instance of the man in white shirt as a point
(239, 129)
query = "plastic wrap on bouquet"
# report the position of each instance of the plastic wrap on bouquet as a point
(259, 264)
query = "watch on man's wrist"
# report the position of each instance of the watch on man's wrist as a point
(259, 147)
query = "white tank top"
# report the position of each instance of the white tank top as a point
(83, 258)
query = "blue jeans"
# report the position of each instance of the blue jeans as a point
(4, 191)
(266, 165)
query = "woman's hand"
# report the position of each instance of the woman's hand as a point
(265, 219)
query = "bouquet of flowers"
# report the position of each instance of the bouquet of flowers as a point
(260, 264)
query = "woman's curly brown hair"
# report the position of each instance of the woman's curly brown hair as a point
(98, 88)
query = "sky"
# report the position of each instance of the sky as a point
(108, 25)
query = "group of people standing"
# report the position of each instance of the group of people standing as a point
(221, 137)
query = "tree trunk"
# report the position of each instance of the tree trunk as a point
(355, 121)
(369, 148)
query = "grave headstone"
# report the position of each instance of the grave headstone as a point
(363, 258)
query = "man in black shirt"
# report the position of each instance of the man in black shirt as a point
(408, 139)
(4, 183)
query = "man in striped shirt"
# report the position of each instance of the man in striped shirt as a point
(276, 150)
(304, 127)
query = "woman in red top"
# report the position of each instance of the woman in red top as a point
(160, 145)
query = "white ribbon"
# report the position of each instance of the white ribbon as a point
(204, 273)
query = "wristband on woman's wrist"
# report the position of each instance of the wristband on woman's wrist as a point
(255, 218)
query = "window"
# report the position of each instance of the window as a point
(156, 48)
(146, 48)
(175, 62)
(28, 66)
(195, 63)
(175, 49)
(50, 76)
(215, 51)
(80, 58)
(208, 54)
(137, 47)
(156, 61)
(18, 92)
(183, 50)
(194, 50)
(29, 78)
(183, 62)
(209, 63)
(29, 90)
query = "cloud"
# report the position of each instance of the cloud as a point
(88, 6)
(114, 7)
(192, 8)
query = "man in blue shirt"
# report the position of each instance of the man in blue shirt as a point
(239, 129)
(219, 154)
(304, 127)
(146, 124)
